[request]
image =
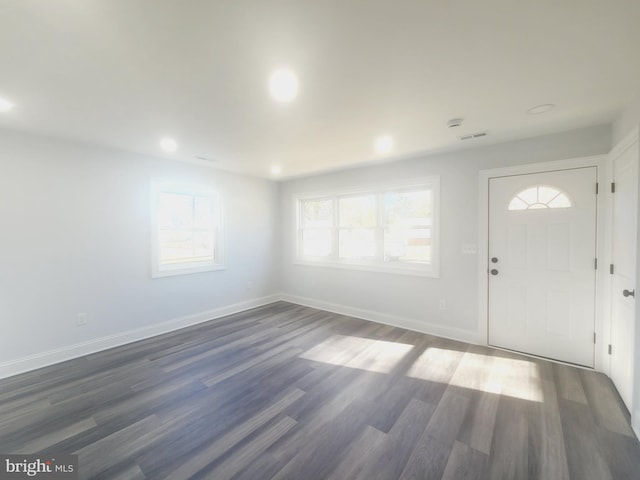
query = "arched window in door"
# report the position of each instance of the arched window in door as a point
(540, 196)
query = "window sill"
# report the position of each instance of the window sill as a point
(170, 272)
(411, 270)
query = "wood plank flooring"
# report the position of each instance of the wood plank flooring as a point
(289, 392)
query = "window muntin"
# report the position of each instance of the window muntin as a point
(390, 228)
(186, 229)
(540, 196)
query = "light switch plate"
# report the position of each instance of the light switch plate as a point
(469, 249)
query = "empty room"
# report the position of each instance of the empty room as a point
(316, 240)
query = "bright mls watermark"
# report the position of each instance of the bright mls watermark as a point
(53, 467)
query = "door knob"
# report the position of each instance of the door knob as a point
(495, 272)
(494, 260)
(628, 293)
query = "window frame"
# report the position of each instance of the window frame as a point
(159, 186)
(377, 264)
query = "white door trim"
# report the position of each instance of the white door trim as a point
(629, 141)
(599, 161)
(605, 293)
(625, 143)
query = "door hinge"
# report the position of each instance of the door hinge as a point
(609, 349)
(594, 337)
(611, 269)
(595, 263)
(597, 185)
(613, 187)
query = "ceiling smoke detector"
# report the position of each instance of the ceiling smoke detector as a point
(455, 122)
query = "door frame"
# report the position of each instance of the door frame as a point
(618, 149)
(601, 321)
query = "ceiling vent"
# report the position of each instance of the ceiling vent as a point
(473, 135)
(455, 122)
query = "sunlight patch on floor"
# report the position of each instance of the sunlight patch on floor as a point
(487, 373)
(435, 365)
(357, 352)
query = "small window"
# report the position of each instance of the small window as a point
(538, 197)
(186, 229)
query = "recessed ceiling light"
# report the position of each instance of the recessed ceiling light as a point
(540, 109)
(168, 145)
(283, 85)
(383, 144)
(5, 105)
(276, 169)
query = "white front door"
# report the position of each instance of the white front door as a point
(623, 240)
(542, 251)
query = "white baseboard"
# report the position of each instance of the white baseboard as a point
(50, 357)
(402, 322)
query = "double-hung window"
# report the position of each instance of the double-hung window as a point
(391, 228)
(186, 229)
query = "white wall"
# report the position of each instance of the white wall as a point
(75, 238)
(628, 119)
(414, 301)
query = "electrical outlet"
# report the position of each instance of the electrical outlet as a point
(443, 304)
(82, 319)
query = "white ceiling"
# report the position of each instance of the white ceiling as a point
(125, 73)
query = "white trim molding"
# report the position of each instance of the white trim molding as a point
(413, 324)
(44, 359)
(51, 357)
(626, 142)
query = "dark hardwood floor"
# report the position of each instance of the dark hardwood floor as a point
(289, 392)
